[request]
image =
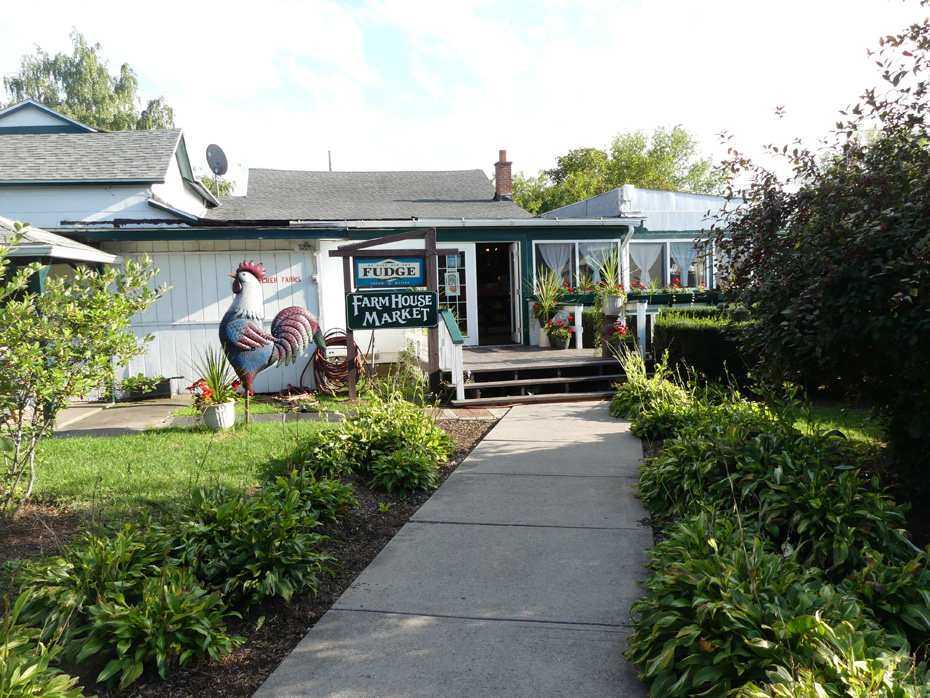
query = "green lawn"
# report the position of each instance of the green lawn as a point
(856, 423)
(125, 475)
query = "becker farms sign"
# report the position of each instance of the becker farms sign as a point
(375, 273)
(379, 310)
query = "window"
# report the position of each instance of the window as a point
(577, 263)
(647, 263)
(453, 287)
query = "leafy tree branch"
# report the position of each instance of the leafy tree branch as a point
(80, 86)
(62, 343)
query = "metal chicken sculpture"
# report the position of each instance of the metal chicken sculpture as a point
(248, 347)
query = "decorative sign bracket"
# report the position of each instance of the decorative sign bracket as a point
(380, 296)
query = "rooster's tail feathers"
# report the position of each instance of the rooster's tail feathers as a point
(292, 330)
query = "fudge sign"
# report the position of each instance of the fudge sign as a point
(379, 310)
(376, 273)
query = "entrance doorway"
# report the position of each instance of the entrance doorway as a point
(495, 293)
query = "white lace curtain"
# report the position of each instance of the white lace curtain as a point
(644, 255)
(683, 254)
(556, 255)
(594, 254)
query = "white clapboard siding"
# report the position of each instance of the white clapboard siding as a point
(185, 322)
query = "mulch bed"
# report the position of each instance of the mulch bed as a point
(273, 628)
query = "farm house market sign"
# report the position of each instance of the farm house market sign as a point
(379, 310)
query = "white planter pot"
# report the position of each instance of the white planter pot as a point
(613, 305)
(220, 416)
(543, 338)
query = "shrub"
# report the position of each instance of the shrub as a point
(704, 341)
(324, 500)
(250, 548)
(25, 661)
(639, 392)
(667, 419)
(722, 609)
(591, 321)
(395, 440)
(97, 566)
(119, 593)
(834, 261)
(404, 471)
(898, 595)
(175, 621)
(790, 488)
(329, 454)
(839, 661)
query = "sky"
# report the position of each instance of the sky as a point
(417, 85)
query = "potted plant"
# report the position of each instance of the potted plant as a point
(560, 331)
(546, 294)
(610, 287)
(216, 390)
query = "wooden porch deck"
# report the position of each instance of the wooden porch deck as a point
(514, 374)
(511, 357)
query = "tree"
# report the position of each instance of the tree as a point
(80, 86)
(218, 186)
(61, 343)
(667, 159)
(832, 263)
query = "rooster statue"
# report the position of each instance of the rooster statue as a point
(248, 347)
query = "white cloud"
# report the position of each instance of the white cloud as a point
(411, 84)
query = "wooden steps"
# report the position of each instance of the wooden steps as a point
(550, 380)
(529, 399)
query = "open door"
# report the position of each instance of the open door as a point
(516, 295)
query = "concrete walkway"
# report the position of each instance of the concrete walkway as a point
(514, 579)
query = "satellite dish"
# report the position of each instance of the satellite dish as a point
(216, 160)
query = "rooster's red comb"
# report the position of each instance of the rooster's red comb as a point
(252, 267)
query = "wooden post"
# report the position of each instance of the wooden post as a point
(360, 249)
(350, 335)
(432, 333)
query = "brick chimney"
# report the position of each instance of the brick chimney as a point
(502, 179)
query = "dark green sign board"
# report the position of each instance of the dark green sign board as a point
(380, 310)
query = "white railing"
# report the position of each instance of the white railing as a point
(450, 351)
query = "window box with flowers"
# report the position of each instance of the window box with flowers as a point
(215, 392)
(560, 332)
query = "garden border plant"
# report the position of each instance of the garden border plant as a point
(783, 569)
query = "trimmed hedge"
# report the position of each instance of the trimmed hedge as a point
(702, 339)
(591, 321)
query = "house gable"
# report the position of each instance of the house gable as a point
(31, 117)
(60, 174)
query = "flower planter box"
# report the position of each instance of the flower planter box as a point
(161, 389)
(685, 298)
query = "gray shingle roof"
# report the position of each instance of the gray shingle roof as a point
(39, 241)
(63, 158)
(334, 196)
